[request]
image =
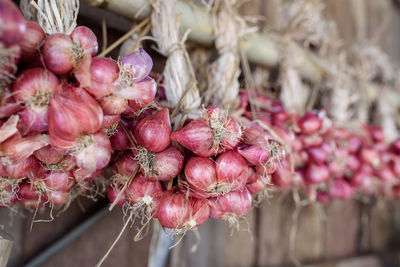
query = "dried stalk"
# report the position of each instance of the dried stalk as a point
(54, 16)
(180, 82)
(223, 74)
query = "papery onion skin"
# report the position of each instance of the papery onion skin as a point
(173, 211)
(197, 136)
(167, 164)
(153, 132)
(19, 148)
(48, 155)
(9, 128)
(8, 105)
(139, 94)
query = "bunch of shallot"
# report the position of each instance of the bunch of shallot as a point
(60, 108)
(208, 168)
(328, 162)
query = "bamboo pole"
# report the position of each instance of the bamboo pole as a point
(259, 48)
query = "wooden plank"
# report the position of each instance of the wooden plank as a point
(210, 247)
(275, 221)
(382, 225)
(6, 244)
(342, 228)
(240, 245)
(88, 249)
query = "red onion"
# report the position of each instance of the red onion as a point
(229, 206)
(59, 181)
(197, 136)
(84, 175)
(319, 154)
(252, 176)
(201, 176)
(110, 122)
(35, 86)
(93, 152)
(142, 191)
(12, 23)
(60, 53)
(30, 197)
(353, 163)
(163, 165)
(58, 198)
(48, 155)
(136, 66)
(126, 164)
(254, 136)
(112, 193)
(282, 178)
(86, 39)
(174, 210)
(199, 212)
(370, 156)
(120, 141)
(255, 155)
(266, 169)
(396, 146)
(316, 174)
(153, 132)
(310, 123)
(113, 104)
(232, 170)
(31, 41)
(103, 72)
(19, 148)
(72, 113)
(259, 185)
